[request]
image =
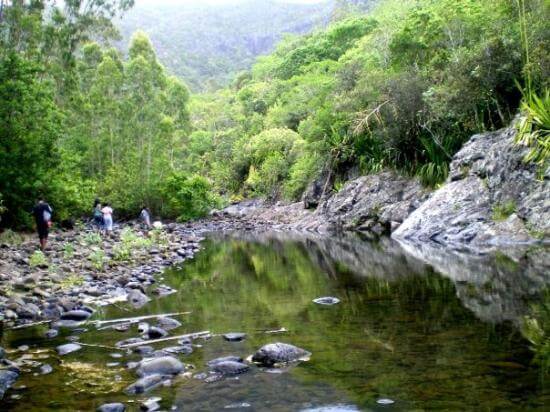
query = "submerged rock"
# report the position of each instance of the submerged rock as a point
(327, 300)
(234, 337)
(51, 333)
(137, 299)
(145, 384)
(165, 365)
(224, 359)
(112, 407)
(273, 353)
(68, 348)
(168, 323)
(230, 367)
(76, 315)
(7, 379)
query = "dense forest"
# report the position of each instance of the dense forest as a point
(207, 44)
(401, 87)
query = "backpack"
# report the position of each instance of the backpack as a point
(46, 216)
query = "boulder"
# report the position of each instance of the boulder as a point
(68, 348)
(274, 353)
(491, 198)
(165, 365)
(145, 384)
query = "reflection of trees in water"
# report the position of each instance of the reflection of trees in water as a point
(402, 328)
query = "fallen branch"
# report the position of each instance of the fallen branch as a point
(138, 318)
(92, 345)
(30, 325)
(149, 342)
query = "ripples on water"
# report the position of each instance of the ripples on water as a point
(417, 325)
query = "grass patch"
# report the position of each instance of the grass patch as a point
(502, 211)
(38, 259)
(9, 237)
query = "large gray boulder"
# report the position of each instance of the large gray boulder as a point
(491, 198)
(165, 365)
(273, 353)
(374, 203)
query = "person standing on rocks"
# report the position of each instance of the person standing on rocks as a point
(145, 217)
(98, 215)
(43, 217)
(107, 213)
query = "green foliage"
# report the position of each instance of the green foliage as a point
(38, 259)
(187, 197)
(503, 211)
(68, 251)
(534, 126)
(92, 238)
(403, 88)
(9, 237)
(536, 328)
(98, 259)
(29, 128)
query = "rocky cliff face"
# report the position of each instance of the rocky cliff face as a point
(491, 198)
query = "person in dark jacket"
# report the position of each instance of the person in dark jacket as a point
(43, 217)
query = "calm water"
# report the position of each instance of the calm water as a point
(444, 335)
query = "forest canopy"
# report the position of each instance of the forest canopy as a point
(401, 87)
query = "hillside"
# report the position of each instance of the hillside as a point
(207, 43)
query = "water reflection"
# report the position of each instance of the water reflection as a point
(427, 329)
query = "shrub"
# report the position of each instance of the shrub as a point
(187, 197)
(534, 126)
(38, 259)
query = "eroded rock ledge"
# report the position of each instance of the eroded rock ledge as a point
(491, 198)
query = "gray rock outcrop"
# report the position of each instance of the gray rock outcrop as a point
(491, 198)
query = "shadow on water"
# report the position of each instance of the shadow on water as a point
(426, 328)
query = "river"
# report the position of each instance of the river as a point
(422, 327)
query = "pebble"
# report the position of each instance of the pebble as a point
(112, 407)
(385, 401)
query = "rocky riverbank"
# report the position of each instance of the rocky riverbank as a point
(81, 269)
(491, 198)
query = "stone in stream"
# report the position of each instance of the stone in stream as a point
(327, 300)
(230, 367)
(128, 341)
(51, 333)
(137, 298)
(2, 353)
(155, 333)
(112, 407)
(273, 353)
(168, 323)
(144, 350)
(145, 384)
(143, 327)
(125, 327)
(234, 337)
(7, 379)
(385, 401)
(150, 405)
(68, 348)
(76, 315)
(213, 362)
(46, 369)
(184, 349)
(165, 365)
